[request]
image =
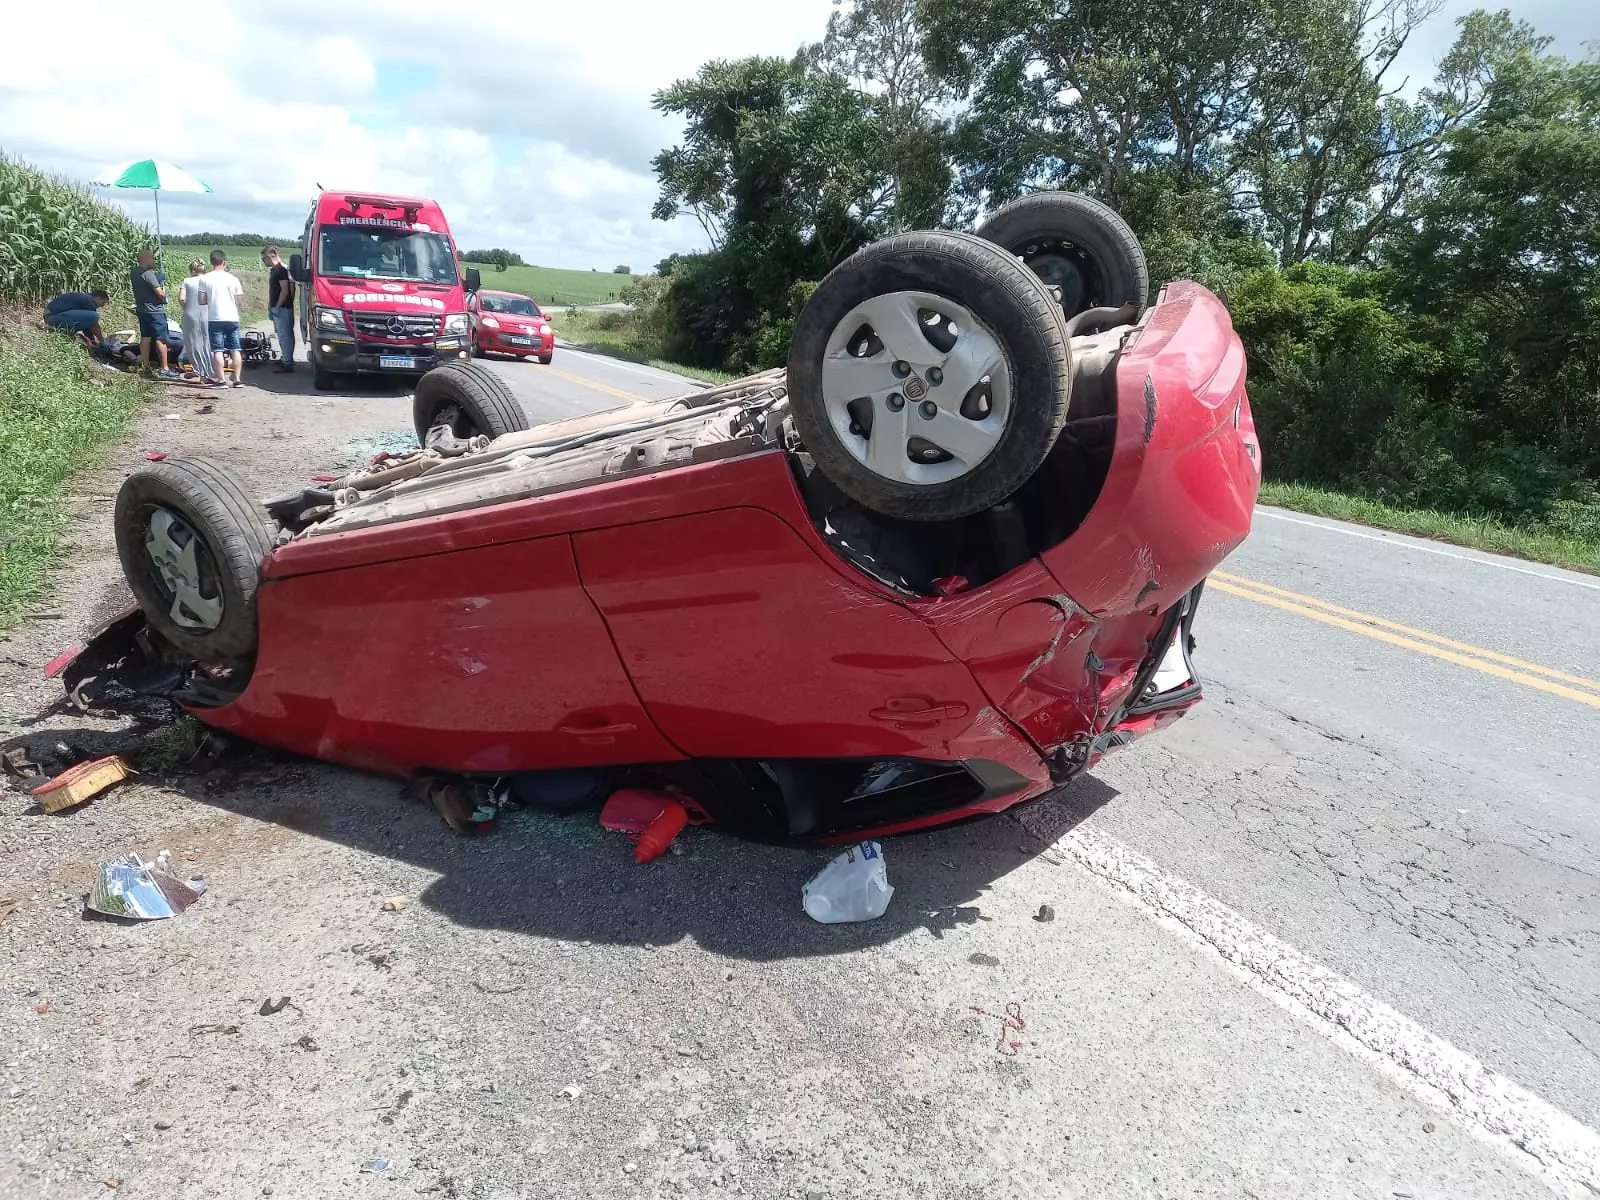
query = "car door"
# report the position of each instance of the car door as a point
(743, 643)
(490, 659)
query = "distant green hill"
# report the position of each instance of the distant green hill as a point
(555, 286)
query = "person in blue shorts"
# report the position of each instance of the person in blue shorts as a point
(79, 312)
(150, 303)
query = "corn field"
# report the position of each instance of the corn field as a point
(56, 237)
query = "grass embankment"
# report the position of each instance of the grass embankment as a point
(1535, 542)
(58, 413)
(554, 285)
(616, 333)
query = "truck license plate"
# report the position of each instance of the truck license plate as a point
(395, 362)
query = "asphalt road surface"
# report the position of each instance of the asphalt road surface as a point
(1335, 933)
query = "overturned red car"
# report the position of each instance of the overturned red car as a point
(939, 565)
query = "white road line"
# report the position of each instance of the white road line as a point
(1561, 1148)
(1409, 544)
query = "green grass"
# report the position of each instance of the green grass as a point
(58, 413)
(616, 334)
(554, 285)
(1535, 542)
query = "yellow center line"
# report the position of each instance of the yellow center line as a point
(1387, 631)
(1396, 627)
(631, 397)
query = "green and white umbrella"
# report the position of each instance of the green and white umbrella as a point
(153, 175)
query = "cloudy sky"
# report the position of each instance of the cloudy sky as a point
(530, 122)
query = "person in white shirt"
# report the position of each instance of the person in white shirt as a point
(220, 294)
(196, 341)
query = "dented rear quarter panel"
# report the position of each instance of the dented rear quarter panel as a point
(1183, 478)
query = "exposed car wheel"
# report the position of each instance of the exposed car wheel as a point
(192, 541)
(477, 350)
(929, 376)
(1081, 248)
(469, 398)
(320, 379)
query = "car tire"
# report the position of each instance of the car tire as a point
(483, 403)
(1001, 426)
(191, 541)
(322, 380)
(1079, 246)
(477, 350)
(546, 358)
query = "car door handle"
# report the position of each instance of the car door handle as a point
(918, 712)
(596, 734)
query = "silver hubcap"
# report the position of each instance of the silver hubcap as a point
(916, 387)
(172, 547)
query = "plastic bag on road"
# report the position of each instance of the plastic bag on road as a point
(853, 887)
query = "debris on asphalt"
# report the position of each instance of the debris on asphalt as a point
(197, 1030)
(633, 810)
(42, 1007)
(270, 1007)
(16, 762)
(152, 456)
(163, 1122)
(1045, 914)
(82, 782)
(853, 887)
(653, 818)
(572, 1091)
(628, 1168)
(468, 806)
(396, 903)
(374, 1165)
(112, 1182)
(560, 792)
(130, 887)
(658, 836)
(307, 1042)
(983, 960)
(1011, 1022)
(8, 905)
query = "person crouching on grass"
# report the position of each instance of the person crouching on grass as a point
(79, 312)
(196, 338)
(280, 305)
(220, 294)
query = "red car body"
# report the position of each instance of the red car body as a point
(509, 323)
(698, 619)
(381, 286)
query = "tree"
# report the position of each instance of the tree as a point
(1284, 109)
(877, 46)
(622, 270)
(787, 170)
(1503, 272)
(498, 259)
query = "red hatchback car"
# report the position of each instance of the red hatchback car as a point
(941, 564)
(506, 323)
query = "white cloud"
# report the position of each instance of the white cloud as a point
(532, 127)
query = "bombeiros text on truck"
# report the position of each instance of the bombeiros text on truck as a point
(382, 289)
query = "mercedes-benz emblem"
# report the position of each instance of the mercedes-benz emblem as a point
(397, 325)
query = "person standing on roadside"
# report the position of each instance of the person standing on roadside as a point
(220, 294)
(280, 305)
(196, 339)
(150, 303)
